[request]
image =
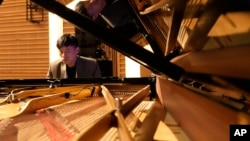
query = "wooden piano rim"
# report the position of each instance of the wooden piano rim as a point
(201, 118)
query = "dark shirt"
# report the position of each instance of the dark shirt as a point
(117, 13)
(71, 72)
(116, 16)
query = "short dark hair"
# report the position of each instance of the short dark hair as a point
(66, 40)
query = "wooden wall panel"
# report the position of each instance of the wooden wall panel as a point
(68, 28)
(24, 46)
(121, 70)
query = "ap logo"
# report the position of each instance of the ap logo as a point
(239, 132)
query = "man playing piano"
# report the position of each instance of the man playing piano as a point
(70, 65)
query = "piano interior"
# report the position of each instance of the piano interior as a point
(200, 65)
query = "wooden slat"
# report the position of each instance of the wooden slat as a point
(68, 27)
(24, 46)
(121, 65)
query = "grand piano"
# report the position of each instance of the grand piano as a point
(199, 87)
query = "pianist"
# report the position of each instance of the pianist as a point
(112, 14)
(70, 65)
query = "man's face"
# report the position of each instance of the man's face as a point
(94, 7)
(69, 54)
